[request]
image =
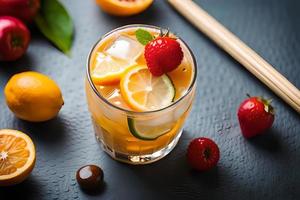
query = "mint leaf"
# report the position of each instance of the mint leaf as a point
(56, 24)
(143, 36)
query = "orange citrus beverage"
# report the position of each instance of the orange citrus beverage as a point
(137, 117)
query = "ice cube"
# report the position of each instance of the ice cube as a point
(125, 48)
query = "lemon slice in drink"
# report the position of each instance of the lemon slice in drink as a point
(17, 157)
(108, 69)
(145, 92)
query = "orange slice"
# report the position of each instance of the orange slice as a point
(124, 7)
(108, 69)
(17, 157)
(143, 91)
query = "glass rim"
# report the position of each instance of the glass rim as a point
(88, 74)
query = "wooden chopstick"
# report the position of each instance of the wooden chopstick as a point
(239, 51)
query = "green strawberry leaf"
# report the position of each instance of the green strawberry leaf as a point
(56, 24)
(143, 36)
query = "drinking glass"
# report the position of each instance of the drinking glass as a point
(114, 126)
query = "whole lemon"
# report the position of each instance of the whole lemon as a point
(32, 96)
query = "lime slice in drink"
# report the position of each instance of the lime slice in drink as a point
(144, 131)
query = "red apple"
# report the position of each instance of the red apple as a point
(25, 10)
(14, 38)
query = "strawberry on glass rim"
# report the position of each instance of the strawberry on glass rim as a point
(162, 54)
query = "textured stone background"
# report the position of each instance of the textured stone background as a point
(266, 167)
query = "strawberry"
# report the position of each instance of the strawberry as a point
(203, 154)
(255, 115)
(163, 55)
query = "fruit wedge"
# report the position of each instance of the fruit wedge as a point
(145, 92)
(17, 157)
(124, 7)
(108, 69)
(143, 131)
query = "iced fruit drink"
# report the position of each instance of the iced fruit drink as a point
(137, 114)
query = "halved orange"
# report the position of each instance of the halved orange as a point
(145, 92)
(17, 157)
(124, 7)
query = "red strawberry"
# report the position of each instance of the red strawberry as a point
(203, 154)
(163, 55)
(255, 115)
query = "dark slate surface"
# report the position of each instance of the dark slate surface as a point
(266, 167)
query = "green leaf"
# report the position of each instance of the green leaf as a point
(56, 24)
(143, 36)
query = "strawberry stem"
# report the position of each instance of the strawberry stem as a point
(164, 32)
(267, 105)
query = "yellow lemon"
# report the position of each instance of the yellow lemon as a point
(32, 96)
(17, 157)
